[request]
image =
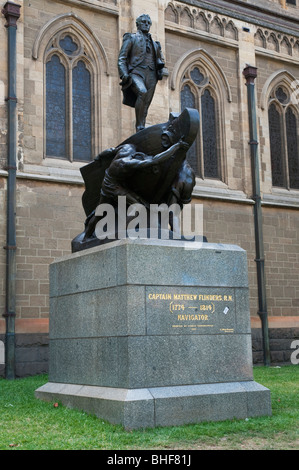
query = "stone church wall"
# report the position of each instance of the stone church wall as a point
(219, 37)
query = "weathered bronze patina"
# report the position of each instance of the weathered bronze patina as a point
(150, 167)
(140, 66)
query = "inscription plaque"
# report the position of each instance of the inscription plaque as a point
(190, 310)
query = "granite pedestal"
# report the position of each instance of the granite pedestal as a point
(153, 333)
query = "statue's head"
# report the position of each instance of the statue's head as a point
(171, 134)
(143, 23)
(181, 126)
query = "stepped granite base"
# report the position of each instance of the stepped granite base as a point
(150, 333)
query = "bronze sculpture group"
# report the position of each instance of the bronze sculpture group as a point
(150, 167)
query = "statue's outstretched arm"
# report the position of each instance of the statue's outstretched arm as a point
(133, 163)
(161, 157)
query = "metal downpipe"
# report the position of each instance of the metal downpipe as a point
(250, 73)
(11, 11)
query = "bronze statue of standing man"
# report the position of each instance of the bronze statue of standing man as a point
(140, 65)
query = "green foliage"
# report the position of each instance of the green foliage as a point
(30, 424)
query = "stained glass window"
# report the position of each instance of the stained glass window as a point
(292, 146)
(188, 101)
(281, 95)
(81, 113)
(68, 102)
(208, 117)
(196, 75)
(283, 130)
(203, 155)
(276, 146)
(68, 45)
(55, 108)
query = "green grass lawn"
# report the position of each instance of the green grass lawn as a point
(30, 424)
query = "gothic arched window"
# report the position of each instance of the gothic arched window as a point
(55, 108)
(284, 134)
(68, 110)
(197, 92)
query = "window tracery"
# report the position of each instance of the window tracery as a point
(284, 133)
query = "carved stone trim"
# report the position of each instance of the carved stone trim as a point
(203, 56)
(63, 22)
(280, 76)
(199, 20)
(277, 42)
